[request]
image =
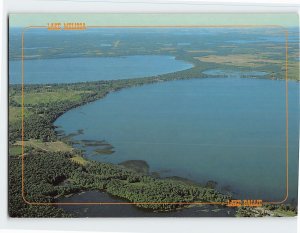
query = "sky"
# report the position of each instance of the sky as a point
(121, 19)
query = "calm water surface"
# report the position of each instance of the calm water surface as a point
(131, 210)
(230, 130)
(79, 69)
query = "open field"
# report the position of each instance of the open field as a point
(245, 60)
(15, 150)
(15, 114)
(80, 160)
(56, 146)
(49, 96)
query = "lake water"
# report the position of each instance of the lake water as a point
(84, 69)
(131, 210)
(229, 130)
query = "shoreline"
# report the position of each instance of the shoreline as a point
(100, 93)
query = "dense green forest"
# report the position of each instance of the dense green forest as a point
(49, 175)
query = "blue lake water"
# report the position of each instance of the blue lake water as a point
(79, 69)
(230, 130)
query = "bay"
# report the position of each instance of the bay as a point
(229, 130)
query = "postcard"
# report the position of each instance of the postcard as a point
(153, 115)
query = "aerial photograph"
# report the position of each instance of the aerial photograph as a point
(132, 115)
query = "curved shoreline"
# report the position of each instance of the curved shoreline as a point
(129, 158)
(108, 68)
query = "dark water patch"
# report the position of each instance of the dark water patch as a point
(105, 151)
(121, 210)
(139, 166)
(211, 184)
(68, 137)
(96, 147)
(183, 180)
(94, 143)
(60, 133)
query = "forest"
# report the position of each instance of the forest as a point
(50, 175)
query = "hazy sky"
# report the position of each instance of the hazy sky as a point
(282, 19)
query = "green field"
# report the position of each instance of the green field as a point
(15, 150)
(49, 96)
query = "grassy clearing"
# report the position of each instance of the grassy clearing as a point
(47, 146)
(201, 51)
(79, 160)
(106, 151)
(15, 150)
(35, 98)
(246, 60)
(15, 114)
(293, 70)
(284, 213)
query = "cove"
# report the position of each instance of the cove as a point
(229, 130)
(131, 210)
(84, 69)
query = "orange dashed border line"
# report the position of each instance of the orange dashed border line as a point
(284, 30)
